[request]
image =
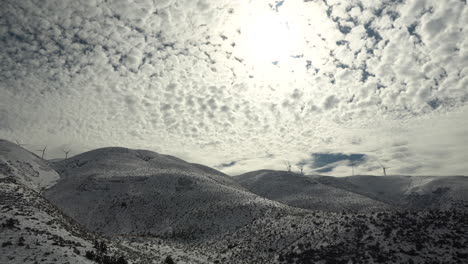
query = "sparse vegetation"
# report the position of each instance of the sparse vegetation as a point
(100, 255)
(169, 260)
(10, 223)
(6, 244)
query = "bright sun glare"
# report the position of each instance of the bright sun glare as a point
(269, 38)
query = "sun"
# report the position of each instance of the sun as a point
(268, 38)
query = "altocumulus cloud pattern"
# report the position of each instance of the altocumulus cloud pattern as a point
(386, 79)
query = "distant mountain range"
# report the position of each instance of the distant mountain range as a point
(152, 208)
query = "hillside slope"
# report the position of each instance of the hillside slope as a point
(120, 191)
(158, 207)
(26, 167)
(306, 192)
(324, 237)
(411, 192)
(33, 231)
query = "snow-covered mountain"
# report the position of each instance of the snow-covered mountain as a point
(25, 166)
(306, 192)
(122, 191)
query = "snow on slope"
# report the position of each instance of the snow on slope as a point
(407, 191)
(305, 192)
(439, 192)
(33, 231)
(323, 237)
(28, 168)
(121, 191)
(458, 185)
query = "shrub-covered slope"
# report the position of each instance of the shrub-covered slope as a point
(34, 231)
(428, 236)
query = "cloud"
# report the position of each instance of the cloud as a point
(176, 76)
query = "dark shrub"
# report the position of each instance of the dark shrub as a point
(5, 244)
(169, 260)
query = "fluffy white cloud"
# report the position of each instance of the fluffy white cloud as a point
(181, 77)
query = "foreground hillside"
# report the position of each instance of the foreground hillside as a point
(34, 231)
(119, 191)
(39, 232)
(321, 237)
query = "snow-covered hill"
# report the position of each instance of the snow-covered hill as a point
(306, 192)
(427, 236)
(33, 231)
(25, 166)
(358, 193)
(412, 192)
(121, 191)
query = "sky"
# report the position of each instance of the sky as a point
(242, 85)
